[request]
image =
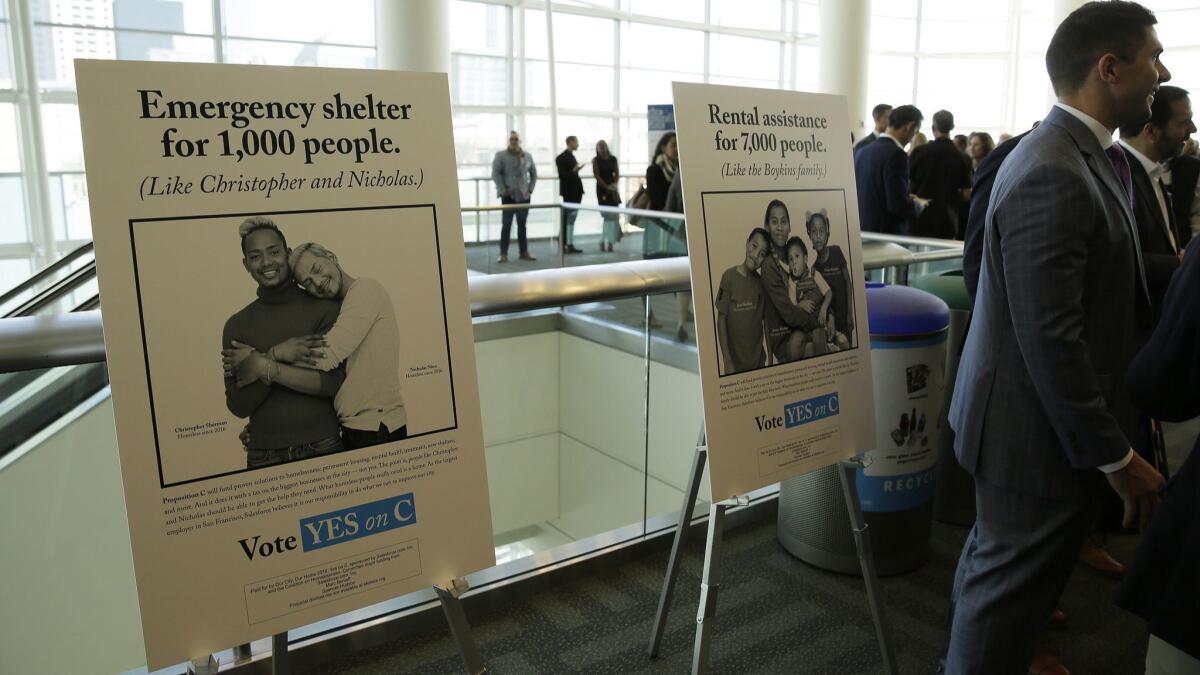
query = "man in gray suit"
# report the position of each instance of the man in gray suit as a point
(1039, 409)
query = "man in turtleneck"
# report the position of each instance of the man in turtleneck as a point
(290, 409)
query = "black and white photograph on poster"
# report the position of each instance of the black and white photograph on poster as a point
(323, 345)
(785, 291)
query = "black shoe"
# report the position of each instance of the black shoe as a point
(571, 249)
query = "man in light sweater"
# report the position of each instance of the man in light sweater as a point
(365, 337)
(514, 174)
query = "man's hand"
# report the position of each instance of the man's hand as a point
(807, 306)
(231, 359)
(1137, 485)
(303, 350)
(921, 201)
(254, 368)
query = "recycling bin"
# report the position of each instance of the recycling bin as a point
(908, 330)
(954, 488)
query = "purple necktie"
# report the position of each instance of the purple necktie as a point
(1121, 165)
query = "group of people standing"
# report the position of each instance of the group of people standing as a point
(514, 174)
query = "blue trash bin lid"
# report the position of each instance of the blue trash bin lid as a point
(901, 310)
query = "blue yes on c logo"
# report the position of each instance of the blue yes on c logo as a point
(356, 522)
(811, 410)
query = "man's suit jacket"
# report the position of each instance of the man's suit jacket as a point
(981, 193)
(865, 141)
(1157, 251)
(570, 185)
(1163, 582)
(881, 171)
(938, 173)
(1038, 403)
(1185, 171)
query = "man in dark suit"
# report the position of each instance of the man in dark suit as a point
(885, 203)
(1038, 410)
(570, 188)
(939, 173)
(1152, 144)
(1163, 583)
(1185, 174)
(879, 115)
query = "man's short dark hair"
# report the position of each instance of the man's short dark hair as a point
(571, 138)
(1160, 110)
(903, 115)
(881, 110)
(1093, 30)
(943, 121)
(254, 224)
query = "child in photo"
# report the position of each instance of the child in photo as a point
(740, 309)
(807, 288)
(830, 263)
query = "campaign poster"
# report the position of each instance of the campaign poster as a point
(289, 341)
(781, 320)
(660, 119)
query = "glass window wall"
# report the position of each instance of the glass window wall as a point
(43, 194)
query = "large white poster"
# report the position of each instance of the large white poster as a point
(288, 331)
(781, 319)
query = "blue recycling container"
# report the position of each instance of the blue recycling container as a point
(908, 330)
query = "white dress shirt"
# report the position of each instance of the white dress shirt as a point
(1102, 134)
(1155, 171)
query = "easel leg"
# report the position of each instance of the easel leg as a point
(279, 654)
(685, 519)
(207, 665)
(241, 652)
(866, 558)
(709, 585)
(459, 628)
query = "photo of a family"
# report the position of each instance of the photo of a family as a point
(317, 359)
(791, 296)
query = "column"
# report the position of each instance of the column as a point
(1064, 7)
(413, 35)
(845, 29)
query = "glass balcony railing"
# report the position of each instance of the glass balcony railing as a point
(590, 456)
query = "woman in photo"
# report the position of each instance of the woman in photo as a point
(788, 323)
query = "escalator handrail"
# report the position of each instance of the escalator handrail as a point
(45, 272)
(57, 290)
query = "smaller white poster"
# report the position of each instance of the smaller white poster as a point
(773, 239)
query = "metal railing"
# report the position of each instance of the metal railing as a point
(41, 342)
(35, 342)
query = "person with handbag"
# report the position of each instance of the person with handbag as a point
(666, 238)
(608, 174)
